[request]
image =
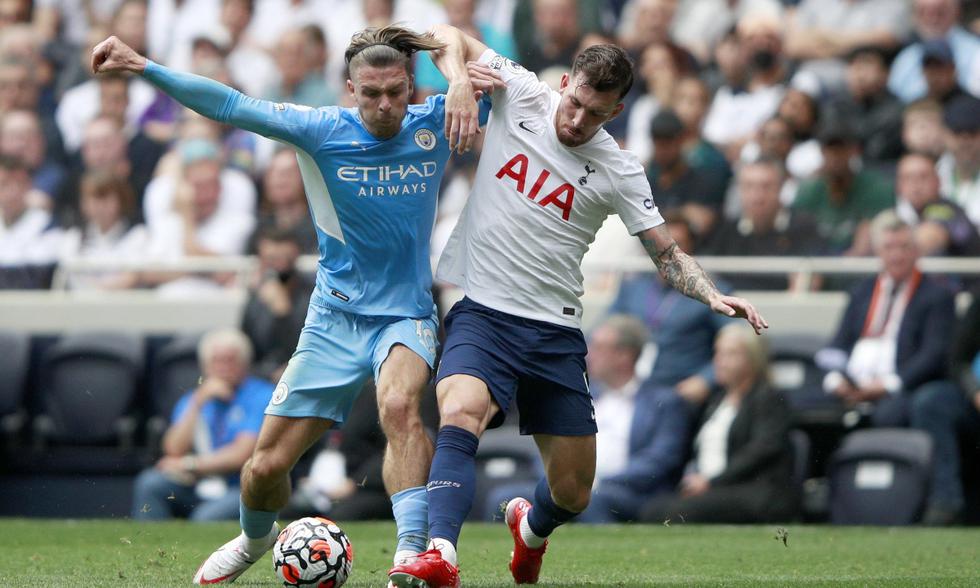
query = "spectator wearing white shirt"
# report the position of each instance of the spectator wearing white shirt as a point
(106, 232)
(197, 224)
(27, 247)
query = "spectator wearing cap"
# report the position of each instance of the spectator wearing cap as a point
(822, 33)
(939, 70)
(677, 185)
(843, 196)
(765, 227)
(959, 167)
(866, 100)
(198, 223)
(941, 227)
(936, 19)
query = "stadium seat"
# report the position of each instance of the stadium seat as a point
(791, 361)
(89, 384)
(173, 371)
(14, 360)
(880, 477)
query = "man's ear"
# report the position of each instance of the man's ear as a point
(350, 86)
(616, 111)
(564, 82)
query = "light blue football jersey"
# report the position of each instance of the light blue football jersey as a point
(373, 201)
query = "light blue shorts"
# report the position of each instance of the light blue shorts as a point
(337, 352)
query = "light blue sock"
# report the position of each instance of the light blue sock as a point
(255, 523)
(411, 510)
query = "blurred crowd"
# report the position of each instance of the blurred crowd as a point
(767, 127)
(773, 128)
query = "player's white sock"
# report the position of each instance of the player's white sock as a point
(447, 549)
(257, 547)
(530, 539)
(403, 555)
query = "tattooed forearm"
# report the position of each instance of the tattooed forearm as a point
(681, 271)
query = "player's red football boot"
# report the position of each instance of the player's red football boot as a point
(428, 570)
(525, 562)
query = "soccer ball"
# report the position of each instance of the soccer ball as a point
(313, 552)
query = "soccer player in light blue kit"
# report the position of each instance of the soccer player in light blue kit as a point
(371, 174)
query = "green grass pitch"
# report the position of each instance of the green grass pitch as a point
(124, 553)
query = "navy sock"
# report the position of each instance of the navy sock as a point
(546, 516)
(452, 482)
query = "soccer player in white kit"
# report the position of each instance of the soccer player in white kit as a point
(548, 177)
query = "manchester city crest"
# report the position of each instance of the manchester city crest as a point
(425, 139)
(282, 391)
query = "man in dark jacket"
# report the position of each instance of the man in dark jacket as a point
(889, 358)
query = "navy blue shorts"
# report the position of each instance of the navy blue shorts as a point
(540, 364)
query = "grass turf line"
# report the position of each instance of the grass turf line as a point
(124, 553)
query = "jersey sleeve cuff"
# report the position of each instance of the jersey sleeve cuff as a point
(486, 56)
(642, 225)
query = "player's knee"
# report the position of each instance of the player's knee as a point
(462, 414)
(264, 469)
(398, 410)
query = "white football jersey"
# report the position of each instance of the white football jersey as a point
(536, 205)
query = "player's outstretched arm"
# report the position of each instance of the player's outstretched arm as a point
(462, 114)
(681, 271)
(208, 97)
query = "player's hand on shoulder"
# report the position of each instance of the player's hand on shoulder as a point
(483, 78)
(734, 306)
(114, 56)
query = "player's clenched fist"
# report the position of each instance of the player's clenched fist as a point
(114, 56)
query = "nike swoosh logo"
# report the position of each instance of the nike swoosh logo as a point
(528, 129)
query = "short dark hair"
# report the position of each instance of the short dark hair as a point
(605, 68)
